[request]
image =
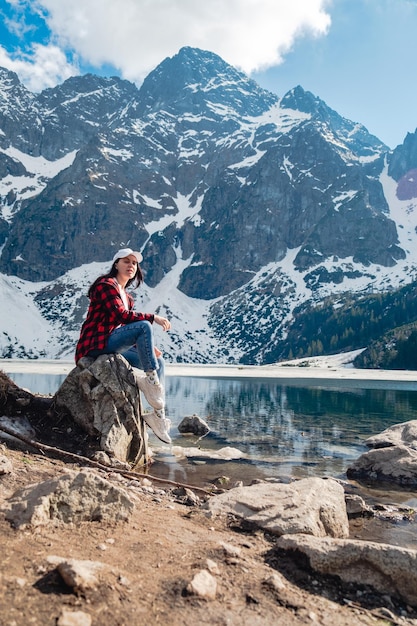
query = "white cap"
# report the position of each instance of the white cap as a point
(124, 252)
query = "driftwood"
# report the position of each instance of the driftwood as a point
(52, 450)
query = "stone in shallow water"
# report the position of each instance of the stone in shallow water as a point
(193, 424)
(393, 457)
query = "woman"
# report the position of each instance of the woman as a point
(112, 326)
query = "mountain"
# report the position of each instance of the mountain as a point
(248, 208)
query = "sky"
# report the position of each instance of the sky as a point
(356, 55)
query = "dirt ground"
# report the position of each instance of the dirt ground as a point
(152, 558)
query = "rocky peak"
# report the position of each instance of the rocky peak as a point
(199, 77)
(79, 109)
(404, 157)
(300, 100)
(89, 94)
(19, 115)
(354, 135)
(13, 95)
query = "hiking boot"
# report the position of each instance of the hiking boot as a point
(159, 425)
(154, 394)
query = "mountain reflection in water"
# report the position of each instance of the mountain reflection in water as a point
(287, 430)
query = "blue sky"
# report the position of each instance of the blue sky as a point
(356, 55)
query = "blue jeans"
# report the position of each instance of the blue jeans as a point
(136, 344)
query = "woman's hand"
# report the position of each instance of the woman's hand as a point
(162, 321)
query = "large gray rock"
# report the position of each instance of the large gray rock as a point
(74, 497)
(393, 457)
(314, 506)
(102, 397)
(387, 568)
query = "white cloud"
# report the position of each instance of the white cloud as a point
(45, 67)
(135, 35)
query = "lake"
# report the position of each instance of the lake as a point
(283, 428)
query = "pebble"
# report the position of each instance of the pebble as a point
(230, 550)
(74, 618)
(212, 567)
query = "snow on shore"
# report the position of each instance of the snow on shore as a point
(336, 367)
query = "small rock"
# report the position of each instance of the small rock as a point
(6, 466)
(230, 550)
(186, 496)
(222, 480)
(195, 425)
(203, 585)
(20, 425)
(212, 567)
(79, 575)
(101, 457)
(102, 547)
(275, 581)
(74, 618)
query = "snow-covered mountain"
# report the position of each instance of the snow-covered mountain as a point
(244, 204)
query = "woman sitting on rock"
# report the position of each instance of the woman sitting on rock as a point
(112, 326)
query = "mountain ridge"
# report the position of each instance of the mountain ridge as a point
(244, 204)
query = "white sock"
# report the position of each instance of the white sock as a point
(152, 376)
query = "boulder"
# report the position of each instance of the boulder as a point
(392, 459)
(314, 506)
(101, 395)
(73, 497)
(388, 569)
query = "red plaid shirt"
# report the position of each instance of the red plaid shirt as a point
(105, 313)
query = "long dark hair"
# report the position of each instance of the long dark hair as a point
(135, 281)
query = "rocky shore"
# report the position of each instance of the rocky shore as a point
(90, 541)
(172, 555)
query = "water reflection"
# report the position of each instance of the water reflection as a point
(43, 384)
(288, 430)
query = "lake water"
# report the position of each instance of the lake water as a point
(284, 429)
